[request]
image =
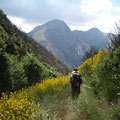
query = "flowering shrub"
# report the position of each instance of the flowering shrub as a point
(89, 70)
(90, 64)
(49, 86)
(19, 105)
(12, 108)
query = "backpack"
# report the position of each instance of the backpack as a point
(76, 80)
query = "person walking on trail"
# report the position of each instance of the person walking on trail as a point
(75, 81)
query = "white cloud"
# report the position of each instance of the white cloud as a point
(93, 6)
(105, 22)
(117, 9)
(104, 19)
(21, 23)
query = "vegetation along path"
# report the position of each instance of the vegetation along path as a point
(51, 99)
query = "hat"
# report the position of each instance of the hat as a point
(75, 71)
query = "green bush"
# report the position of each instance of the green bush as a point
(105, 79)
(32, 69)
(95, 85)
(17, 75)
(5, 83)
(108, 75)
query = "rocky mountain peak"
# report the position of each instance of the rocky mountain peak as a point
(68, 46)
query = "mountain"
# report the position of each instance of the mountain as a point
(19, 44)
(93, 37)
(68, 46)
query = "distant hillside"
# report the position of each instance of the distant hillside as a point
(19, 44)
(68, 46)
(93, 37)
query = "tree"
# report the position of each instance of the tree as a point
(90, 53)
(114, 39)
(17, 75)
(32, 69)
(5, 82)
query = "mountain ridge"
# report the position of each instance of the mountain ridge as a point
(68, 46)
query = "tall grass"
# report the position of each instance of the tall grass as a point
(88, 108)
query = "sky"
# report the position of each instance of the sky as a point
(77, 14)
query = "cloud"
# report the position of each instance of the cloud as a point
(106, 21)
(78, 14)
(40, 11)
(94, 6)
(21, 24)
(117, 9)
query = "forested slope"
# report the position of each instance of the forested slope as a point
(23, 62)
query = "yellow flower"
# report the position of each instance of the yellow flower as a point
(38, 105)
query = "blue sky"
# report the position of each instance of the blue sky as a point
(77, 14)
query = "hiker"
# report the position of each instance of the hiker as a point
(75, 81)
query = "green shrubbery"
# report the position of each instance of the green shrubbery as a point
(15, 74)
(4, 72)
(108, 73)
(32, 69)
(106, 77)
